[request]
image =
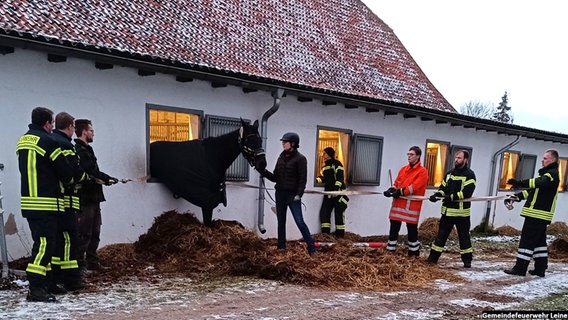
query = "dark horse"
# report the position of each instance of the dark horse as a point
(195, 170)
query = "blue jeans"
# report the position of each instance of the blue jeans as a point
(285, 199)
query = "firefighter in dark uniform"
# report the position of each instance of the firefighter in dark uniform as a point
(458, 184)
(64, 262)
(538, 210)
(42, 168)
(332, 176)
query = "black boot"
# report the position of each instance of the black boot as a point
(40, 294)
(339, 234)
(73, 280)
(466, 259)
(325, 230)
(434, 256)
(540, 266)
(520, 268)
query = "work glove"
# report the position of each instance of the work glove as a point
(515, 184)
(435, 197)
(397, 193)
(389, 192)
(297, 197)
(509, 201)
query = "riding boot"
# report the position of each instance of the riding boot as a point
(520, 268)
(434, 256)
(540, 266)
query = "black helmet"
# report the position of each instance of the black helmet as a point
(292, 137)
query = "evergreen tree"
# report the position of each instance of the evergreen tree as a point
(502, 113)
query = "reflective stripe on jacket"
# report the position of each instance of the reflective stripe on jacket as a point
(542, 193)
(459, 184)
(411, 181)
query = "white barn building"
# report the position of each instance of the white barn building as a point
(331, 70)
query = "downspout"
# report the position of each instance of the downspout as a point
(277, 95)
(492, 180)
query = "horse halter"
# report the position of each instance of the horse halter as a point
(249, 153)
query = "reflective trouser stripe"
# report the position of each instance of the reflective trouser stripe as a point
(437, 248)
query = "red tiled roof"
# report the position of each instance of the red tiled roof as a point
(334, 45)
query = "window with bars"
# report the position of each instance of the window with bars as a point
(216, 126)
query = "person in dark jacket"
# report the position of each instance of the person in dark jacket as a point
(332, 176)
(458, 184)
(64, 262)
(290, 176)
(43, 168)
(92, 195)
(540, 195)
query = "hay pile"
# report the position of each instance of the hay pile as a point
(428, 230)
(559, 229)
(179, 243)
(507, 231)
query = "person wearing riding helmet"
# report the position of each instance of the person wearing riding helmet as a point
(290, 176)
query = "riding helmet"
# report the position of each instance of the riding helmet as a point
(292, 137)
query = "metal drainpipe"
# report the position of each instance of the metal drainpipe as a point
(492, 180)
(277, 95)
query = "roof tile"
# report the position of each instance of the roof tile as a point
(335, 45)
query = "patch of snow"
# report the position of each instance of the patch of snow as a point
(478, 303)
(412, 314)
(537, 288)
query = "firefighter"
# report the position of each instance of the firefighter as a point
(42, 167)
(64, 262)
(458, 184)
(411, 180)
(538, 210)
(332, 176)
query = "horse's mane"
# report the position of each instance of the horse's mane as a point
(224, 139)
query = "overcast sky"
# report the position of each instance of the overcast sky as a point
(477, 50)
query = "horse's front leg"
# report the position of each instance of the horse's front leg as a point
(207, 216)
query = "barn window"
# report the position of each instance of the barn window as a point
(165, 123)
(216, 126)
(337, 139)
(435, 161)
(366, 161)
(510, 168)
(172, 124)
(562, 163)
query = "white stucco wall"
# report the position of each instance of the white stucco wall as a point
(115, 100)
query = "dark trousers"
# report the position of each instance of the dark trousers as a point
(65, 259)
(89, 225)
(446, 225)
(413, 244)
(533, 245)
(43, 227)
(328, 205)
(285, 200)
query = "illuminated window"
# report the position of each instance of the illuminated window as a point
(172, 125)
(509, 170)
(339, 141)
(435, 161)
(562, 166)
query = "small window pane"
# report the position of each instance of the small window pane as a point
(435, 162)
(528, 164)
(562, 166)
(337, 140)
(172, 126)
(510, 166)
(216, 126)
(366, 164)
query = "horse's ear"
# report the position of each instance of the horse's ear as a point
(255, 124)
(243, 123)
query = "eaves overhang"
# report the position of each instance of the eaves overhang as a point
(251, 82)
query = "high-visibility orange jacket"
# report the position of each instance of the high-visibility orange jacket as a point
(410, 181)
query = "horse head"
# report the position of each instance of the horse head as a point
(250, 143)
